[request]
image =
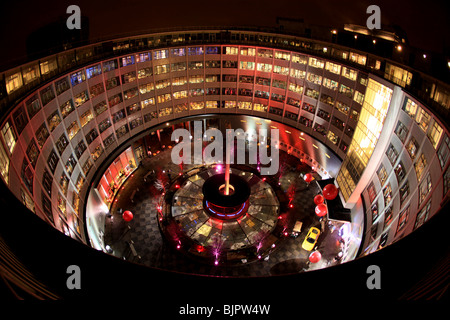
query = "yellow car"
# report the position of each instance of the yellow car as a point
(311, 239)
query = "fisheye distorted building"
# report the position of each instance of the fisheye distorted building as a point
(77, 125)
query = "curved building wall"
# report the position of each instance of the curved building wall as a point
(55, 139)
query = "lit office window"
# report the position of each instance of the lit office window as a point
(368, 130)
(93, 71)
(86, 117)
(412, 146)
(282, 70)
(347, 91)
(13, 82)
(142, 57)
(73, 129)
(247, 65)
(100, 107)
(358, 58)
(435, 134)
(297, 58)
(423, 119)
(359, 97)
(126, 61)
(333, 67)
(30, 74)
(420, 165)
(382, 174)
(422, 215)
(77, 78)
(397, 75)
(81, 98)
(193, 51)
(248, 51)
(424, 189)
(9, 136)
(349, 73)
(264, 67)
(160, 54)
(410, 107)
(402, 220)
(129, 77)
(403, 192)
(299, 74)
(330, 84)
(4, 164)
(401, 131)
(67, 108)
(42, 134)
(265, 53)
(178, 52)
(316, 63)
(400, 172)
(282, 55)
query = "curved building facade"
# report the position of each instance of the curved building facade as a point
(76, 125)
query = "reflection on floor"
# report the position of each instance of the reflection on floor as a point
(140, 240)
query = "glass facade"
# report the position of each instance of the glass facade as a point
(373, 113)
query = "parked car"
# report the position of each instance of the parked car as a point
(311, 239)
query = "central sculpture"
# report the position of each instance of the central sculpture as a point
(225, 195)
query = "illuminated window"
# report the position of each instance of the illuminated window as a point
(248, 51)
(42, 134)
(178, 52)
(401, 131)
(130, 93)
(259, 107)
(422, 215)
(161, 69)
(214, 104)
(197, 105)
(398, 75)
(115, 99)
(13, 82)
(299, 74)
(435, 134)
(282, 55)
(30, 74)
(358, 58)
(265, 53)
(297, 58)
(247, 65)
(231, 50)
(314, 78)
(342, 107)
(129, 77)
(382, 174)
(160, 54)
(193, 51)
(142, 57)
(81, 98)
(100, 107)
(9, 136)
(316, 63)
(86, 117)
(346, 90)
(333, 67)
(403, 192)
(97, 89)
(77, 77)
(93, 71)
(366, 135)
(359, 97)
(283, 70)
(423, 119)
(412, 146)
(4, 164)
(349, 73)
(400, 172)
(420, 165)
(402, 220)
(145, 72)
(330, 84)
(145, 88)
(424, 189)
(195, 65)
(110, 65)
(334, 138)
(264, 67)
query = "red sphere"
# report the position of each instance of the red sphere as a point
(127, 216)
(315, 257)
(321, 210)
(318, 199)
(308, 177)
(330, 191)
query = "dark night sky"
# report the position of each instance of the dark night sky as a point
(426, 24)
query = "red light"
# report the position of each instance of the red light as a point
(264, 179)
(178, 246)
(291, 205)
(286, 234)
(177, 186)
